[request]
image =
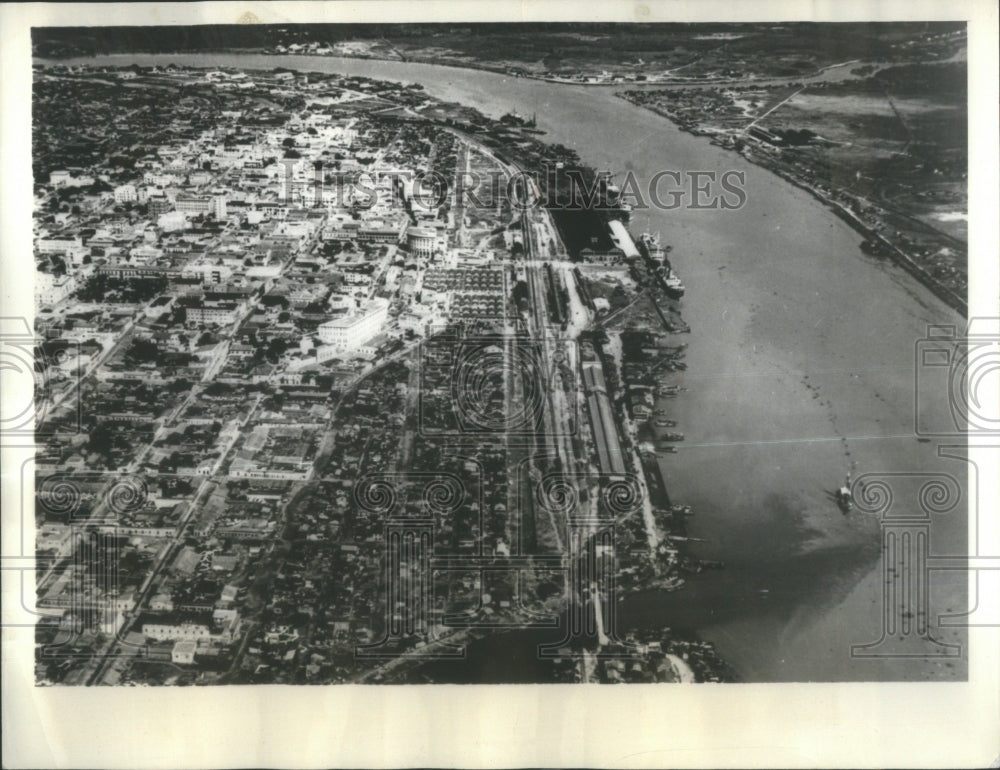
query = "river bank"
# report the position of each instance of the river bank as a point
(800, 370)
(877, 242)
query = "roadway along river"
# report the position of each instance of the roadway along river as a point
(800, 368)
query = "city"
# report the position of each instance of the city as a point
(309, 421)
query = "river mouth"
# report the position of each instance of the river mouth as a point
(800, 370)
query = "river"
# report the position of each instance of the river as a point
(800, 369)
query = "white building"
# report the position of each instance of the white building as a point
(126, 193)
(194, 204)
(421, 241)
(58, 245)
(208, 273)
(51, 290)
(166, 631)
(183, 651)
(222, 313)
(159, 179)
(356, 328)
(172, 222)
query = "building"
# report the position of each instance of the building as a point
(422, 241)
(270, 474)
(126, 193)
(355, 328)
(378, 231)
(221, 312)
(58, 245)
(184, 651)
(194, 204)
(326, 353)
(128, 270)
(172, 221)
(602, 421)
(159, 179)
(207, 273)
(174, 627)
(51, 290)
(158, 205)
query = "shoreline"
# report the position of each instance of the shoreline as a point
(897, 256)
(761, 258)
(497, 70)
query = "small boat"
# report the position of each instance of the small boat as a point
(652, 249)
(844, 500)
(673, 284)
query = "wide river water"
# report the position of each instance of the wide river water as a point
(800, 369)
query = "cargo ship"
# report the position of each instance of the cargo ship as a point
(654, 253)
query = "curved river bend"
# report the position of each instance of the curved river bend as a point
(800, 368)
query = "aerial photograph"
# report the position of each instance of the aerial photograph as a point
(499, 353)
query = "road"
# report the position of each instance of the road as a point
(759, 118)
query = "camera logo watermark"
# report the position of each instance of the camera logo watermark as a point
(956, 395)
(40, 381)
(905, 504)
(420, 577)
(475, 384)
(961, 371)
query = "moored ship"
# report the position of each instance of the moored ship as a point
(653, 251)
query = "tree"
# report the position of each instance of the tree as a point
(105, 438)
(275, 348)
(98, 187)
(142, 351)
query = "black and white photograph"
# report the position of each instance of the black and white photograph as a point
(504, 352)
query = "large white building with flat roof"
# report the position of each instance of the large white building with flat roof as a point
(357, 327)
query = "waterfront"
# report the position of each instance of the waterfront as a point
(800, 369)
